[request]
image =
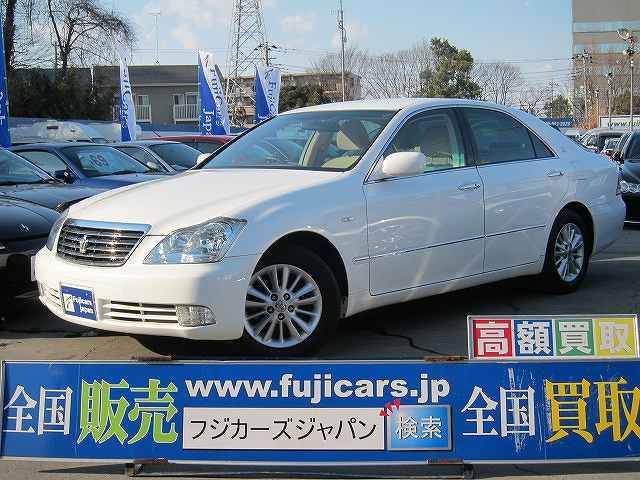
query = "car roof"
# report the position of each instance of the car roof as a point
(54, 145)
(598, 130)
(140, 143)
(393, 104)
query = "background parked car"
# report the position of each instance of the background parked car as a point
(88, 164)
(170, 156)
(24, 227)
(610, 146)
(630, 177)
(617, 151)
(202, 143)
(594, 139)
(21, 180)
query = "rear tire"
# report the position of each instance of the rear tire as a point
(292, 304)
(568, 254)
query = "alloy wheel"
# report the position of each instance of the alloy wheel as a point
(569, 252)
(283, 306)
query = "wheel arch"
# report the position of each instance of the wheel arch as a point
(322, 246)
(582, 210)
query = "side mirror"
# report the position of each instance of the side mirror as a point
(63, 176)
(404, 164)
(202, 157)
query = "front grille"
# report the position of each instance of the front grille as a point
(99, 243)
(139, 312)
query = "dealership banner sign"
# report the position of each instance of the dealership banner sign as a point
(5, 137)
(268, 81)
(322, 412)
(214, 111)
(546, 337)
(127, 106)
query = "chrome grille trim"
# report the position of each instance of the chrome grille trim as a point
(139, 312)
(107, 244)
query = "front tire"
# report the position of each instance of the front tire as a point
(292, 303)
(568, 254)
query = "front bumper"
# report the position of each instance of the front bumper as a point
(138, 299)
(15, 265)
(632, 201)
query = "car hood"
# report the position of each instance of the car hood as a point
(23, 220)
(50, 195)
(195, 196)
(631, 171)
(116, 181)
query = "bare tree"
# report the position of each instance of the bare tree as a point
(26, 37)
(392, 74)
(500, 82)
(84, 32)
(532, 99)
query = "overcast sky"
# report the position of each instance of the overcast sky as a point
(536, 34)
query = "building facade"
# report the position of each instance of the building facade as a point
(601, 70)
(168, 94)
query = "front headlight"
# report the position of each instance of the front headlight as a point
(55, 230)
(204, 243)
(2, 247)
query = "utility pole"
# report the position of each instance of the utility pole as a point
(596, 94)
(155, 16)
(585, 57)
(343, 40)
(609, 87)
(630, 38)
(266, 48)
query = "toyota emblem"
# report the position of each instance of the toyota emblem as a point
(84, 241)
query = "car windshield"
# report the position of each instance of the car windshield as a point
(331, 140)
(176, 154)
(100, 160)
(15, 170)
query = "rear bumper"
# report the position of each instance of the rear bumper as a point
(608, 220)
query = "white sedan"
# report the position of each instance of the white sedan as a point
(327, 211)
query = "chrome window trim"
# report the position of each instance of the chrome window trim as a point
(117, 226)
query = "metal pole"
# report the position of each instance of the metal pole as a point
(584, 79)
(597, 95)
(609, 82)
(631, 96)
(342, 41)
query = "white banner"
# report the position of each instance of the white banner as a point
(127, 106)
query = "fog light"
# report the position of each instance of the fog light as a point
(194, 316)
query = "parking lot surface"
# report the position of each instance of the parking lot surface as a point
(428, 327)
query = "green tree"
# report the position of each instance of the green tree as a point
(450, 74)
(35, 93)
(621, 103)
(294, 96)
(558, 107)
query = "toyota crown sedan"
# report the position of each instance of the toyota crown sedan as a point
(385, 201)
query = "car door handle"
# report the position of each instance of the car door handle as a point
(555, 173)
(469, 186)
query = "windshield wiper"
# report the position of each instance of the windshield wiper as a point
(124, 172)
(7, 183)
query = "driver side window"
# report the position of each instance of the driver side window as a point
(435, 135)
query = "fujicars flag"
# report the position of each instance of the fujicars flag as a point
(5, 138)
(214, 112)
(127, 107)
(267, 92)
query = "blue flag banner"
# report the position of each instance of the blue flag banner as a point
(267, 92)
(322, 412)
(214, 112)
(5, 137)
(127, 106)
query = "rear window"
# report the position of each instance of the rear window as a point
(176, 154)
